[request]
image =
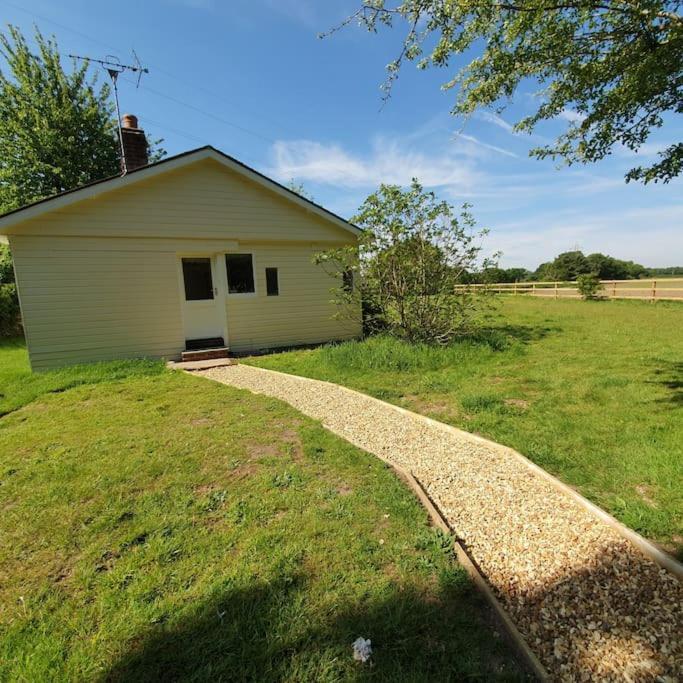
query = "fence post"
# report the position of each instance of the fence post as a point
(614, 289)
(514, 291)
(533, 289)
(557, 294)
(654, 290)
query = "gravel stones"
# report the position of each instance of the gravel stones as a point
(589, 604)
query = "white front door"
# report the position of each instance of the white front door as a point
(203, 315)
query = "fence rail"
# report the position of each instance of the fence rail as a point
(664, 289)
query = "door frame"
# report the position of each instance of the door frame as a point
(220, 287)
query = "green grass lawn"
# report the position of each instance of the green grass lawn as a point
(591, 391)
(157, 526)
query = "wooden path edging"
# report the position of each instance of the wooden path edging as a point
(647, 548)
(510, 631)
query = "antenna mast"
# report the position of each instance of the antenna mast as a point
(112, 65)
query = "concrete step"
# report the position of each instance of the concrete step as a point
(205, 354)
(201, 364)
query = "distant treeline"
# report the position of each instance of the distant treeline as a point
(571, 264)
(666, 272)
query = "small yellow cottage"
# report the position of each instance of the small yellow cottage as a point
(196, 251)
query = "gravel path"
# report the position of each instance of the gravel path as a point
(590, 605)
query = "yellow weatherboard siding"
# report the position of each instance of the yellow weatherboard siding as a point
(301, 313)
(99, 279)
(204, 200)
(81, 306)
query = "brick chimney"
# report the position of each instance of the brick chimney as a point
(134, 143)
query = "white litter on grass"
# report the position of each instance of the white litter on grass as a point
(362, 649)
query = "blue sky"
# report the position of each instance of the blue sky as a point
(251, 78)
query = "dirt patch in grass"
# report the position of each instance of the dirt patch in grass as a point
(204, 489)
(201, 422)
(61, 575)
(426, 406)
(285, 444)
(292, 438)
(257, 451)
(647, 493)
(245, 470)
(519, 403)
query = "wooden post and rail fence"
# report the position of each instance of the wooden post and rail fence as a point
(664, 289)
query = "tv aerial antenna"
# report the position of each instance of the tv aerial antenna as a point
(113, 66)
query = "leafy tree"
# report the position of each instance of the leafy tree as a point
(10, 319)
(495, 274)
(6, 267)
(517, 275)
(670, 271)
(589, 286)
(544, 272)
(300, 189)
(411, 254)
(612, 68)
(609, 268)
(9, 301)
(636, 270)
(57, 129)
(569, 265)
(605, 267)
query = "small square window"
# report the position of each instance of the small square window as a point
(240, 269)
(272, 284)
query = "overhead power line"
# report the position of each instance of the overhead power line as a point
(202, 141)
(170, 129)
(202, 111)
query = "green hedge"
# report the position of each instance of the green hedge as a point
(9, 310)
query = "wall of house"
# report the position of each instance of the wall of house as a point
(302, 313)
(99, 280)
(86, 304)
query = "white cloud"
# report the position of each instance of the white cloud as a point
(647, 149)
(476, 141)
(388, 161)
(649, 236)
(572, 115)
(533, 210)
(496, 120)
(500, 122)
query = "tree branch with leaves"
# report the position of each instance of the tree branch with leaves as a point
(617, 65)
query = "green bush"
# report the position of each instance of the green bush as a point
(6, 267)
(9, 310)
(409, 259)
(589, 286)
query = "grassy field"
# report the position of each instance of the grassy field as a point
(591, 391)
(157, 526)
